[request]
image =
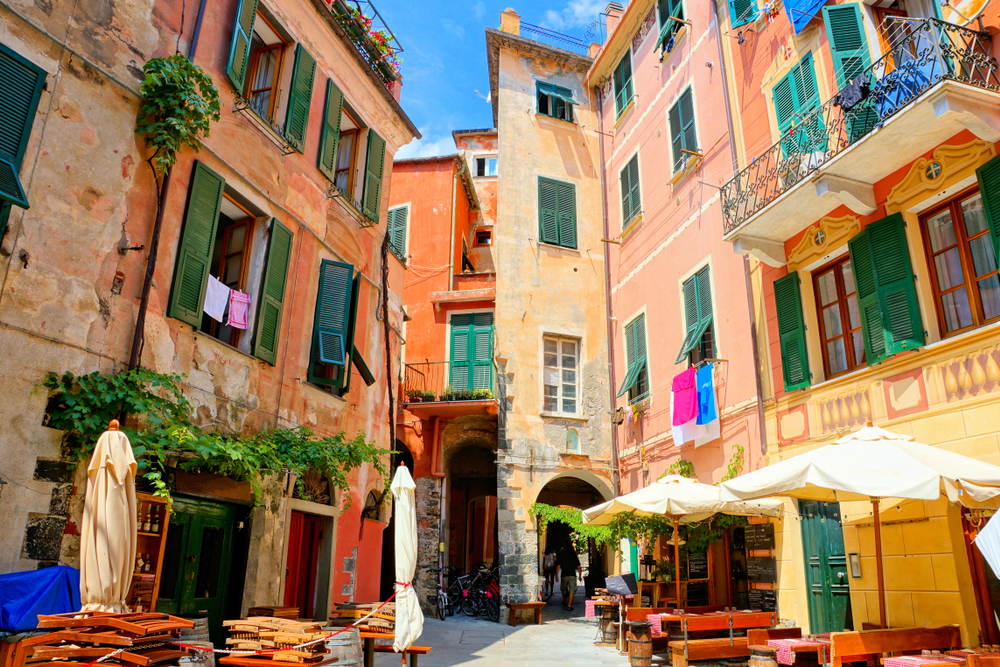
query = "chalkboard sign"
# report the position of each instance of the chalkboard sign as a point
(763, 600)
(759, 536)
(698, 566)
(762, 570)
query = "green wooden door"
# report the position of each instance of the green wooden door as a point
(471, 352)
(826, 567)
(195, 577)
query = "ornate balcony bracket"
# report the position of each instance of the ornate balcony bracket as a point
(855, 195)
(771, 253)
(980, 119)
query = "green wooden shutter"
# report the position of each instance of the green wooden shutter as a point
(791, 332)
(742, 12)
(623, 83)
(848, 45)
(21, 82)
(676, 135)
(697, 310)
(704, 299)
(329, 135)
(989, 187)
(363, 370)
(344, 374)
(687, 117)
(626, 190)
(239, 48)
(461, 352)
(633, 177)
(863, 266)
(373, 175)
(272, 292)
(566, 195)
(300, 98)
(482, 338)
(548, 209)
(194, 257)
(639, 334)
(331, 341)
(897, 292)
(397, 230)
(631, 357)
(784, 103)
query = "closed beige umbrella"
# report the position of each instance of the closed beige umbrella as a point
(108, 533)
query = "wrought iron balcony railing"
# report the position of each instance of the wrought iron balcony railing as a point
(922, 52)
(553, 38)
(432, 381)
(375, 41)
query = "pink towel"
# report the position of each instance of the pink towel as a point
(685, 394)
(239, 304)
(590, 611)
(656, 629)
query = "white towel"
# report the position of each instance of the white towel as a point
(216, 298)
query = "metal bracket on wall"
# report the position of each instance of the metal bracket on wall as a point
(352, 206)
(264, 124)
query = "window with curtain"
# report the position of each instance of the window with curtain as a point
(561, 386)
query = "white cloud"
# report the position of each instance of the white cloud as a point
(429, 146)
(479, 10)
(576, 14)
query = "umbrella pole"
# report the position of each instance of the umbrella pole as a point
(677, 566)
(878, 563)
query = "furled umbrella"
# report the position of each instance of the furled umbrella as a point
(108, 533)
(409, 618)
(869, 465)
(681, 499)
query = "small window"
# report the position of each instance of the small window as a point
(557, 212)
(347, 154)
(699, 343)
(683, 138)
(623, 83)
(963, 264)
(484, 237)
(467, 266)
(631, 200)
(671, 20)
(742, 12)
(486, 165)
(555, 101)
(572, 441)
(267, 51)
(839, 318)
(560, 375)
(397, 230)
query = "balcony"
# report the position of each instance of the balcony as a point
(552, 38)
(936, 80)
(374, 40)
(435, 389)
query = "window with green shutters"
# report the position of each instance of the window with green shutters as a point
(887, 295)
(636, 382)
(239, 47)
(845, 30)
(698, 340)
(373, 176)
(742, 12)
(622, 78)
(272, 292)
(556, 212)
(683, 138)
(397, 231)
(195, 252)
(989, 187)
(555, 101)
(299, 98)
(791, 332)
(671, 13)
(471, 364)
(332, 351)
(21, 83)
(631, 196)
(329, 134)
(796, 96)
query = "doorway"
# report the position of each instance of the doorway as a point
(984, 580)
(197, 562)
(302, 564)
(826, 567)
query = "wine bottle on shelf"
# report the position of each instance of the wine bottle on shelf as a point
(156, 523)
(138, 563)
(145, 524)
(148, 563)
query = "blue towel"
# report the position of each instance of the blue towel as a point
(705, 382)
(24, 595)
(801, 12)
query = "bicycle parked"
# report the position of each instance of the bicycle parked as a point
(482, 596)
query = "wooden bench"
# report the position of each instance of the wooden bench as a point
(514, 607)
(856, 646)
(683, 652)
(414, 652)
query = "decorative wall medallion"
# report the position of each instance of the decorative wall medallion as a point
(828, 235)
(946, 166)
(846, 411)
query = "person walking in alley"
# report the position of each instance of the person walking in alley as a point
(568, 568)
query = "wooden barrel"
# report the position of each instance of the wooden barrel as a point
(640, 643)
(763, 656)
(609, 634)
(347, 648)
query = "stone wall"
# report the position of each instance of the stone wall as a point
(425, 581)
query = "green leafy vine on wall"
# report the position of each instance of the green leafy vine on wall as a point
(162, 429)
(680, 467)
(735, 467)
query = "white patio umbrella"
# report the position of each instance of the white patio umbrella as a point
(681, 499)
(872, 464)
(409, 618)
(108, 533)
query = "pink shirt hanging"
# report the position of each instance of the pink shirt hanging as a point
(239, 304)
(685, 395)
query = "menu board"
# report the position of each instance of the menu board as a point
(763, 600)
(762, 570)
(698, 566)
(759, 536)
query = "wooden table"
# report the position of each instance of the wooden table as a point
(787, 648)
(369, 638)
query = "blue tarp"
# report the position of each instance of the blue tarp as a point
(801, 12)
(24, 595)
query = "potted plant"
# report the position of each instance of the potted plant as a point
(415, 395)
(428, 396)
(482, 394)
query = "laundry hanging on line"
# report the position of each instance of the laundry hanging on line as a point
(707, 426)
(694, 407)
(216, 298)
(239, 306)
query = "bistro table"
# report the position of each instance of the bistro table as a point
(787, 648)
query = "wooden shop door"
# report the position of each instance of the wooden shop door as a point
(302, 562)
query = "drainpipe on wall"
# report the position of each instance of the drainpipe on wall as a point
(607, 299)
(193, 46)
(746, 262)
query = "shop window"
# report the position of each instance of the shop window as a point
(636, 382)
(839, 318)
(622, 79)
(486, 165)
(555, 101)
(561, 388)
(484, 237)
(963, 264)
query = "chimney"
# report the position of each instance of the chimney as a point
(510, 21)
(614, 13)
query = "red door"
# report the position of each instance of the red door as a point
(303, 559)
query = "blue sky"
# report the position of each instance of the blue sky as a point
(444, 58)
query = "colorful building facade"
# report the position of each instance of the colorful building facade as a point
(867, 197)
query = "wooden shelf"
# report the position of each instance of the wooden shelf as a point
(153, 549)
(150, 534)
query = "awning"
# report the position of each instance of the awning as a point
(691, 339)
(801, 12)
(630, 378)
(11, 190)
